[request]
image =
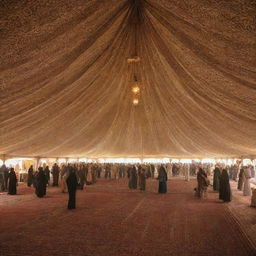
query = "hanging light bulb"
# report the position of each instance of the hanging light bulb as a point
(135, 101)
(135, 89)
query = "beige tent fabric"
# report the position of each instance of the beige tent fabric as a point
(66, 83)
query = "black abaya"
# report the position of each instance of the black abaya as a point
(12, 182)
(225, 191)
(30, 176)
(162, 177)
(72, 185)
(41, 182)
(132, 175)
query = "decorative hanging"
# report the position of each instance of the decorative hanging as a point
(134, 60)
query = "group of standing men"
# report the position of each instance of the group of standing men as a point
(222, 176)
(137, 175)
(8, 180)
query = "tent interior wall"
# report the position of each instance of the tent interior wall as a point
(68, 68)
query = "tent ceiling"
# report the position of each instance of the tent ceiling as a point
(66, 83)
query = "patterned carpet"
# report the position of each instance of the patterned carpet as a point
(112, 220)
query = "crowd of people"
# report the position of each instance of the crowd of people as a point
(221, 181)
(73, 176)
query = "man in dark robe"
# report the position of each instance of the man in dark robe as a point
(175, 170)
(139, 174)
(41, 182)
(216, 179)
(12, 182)
(202, 183)
(94, 174)
(143, 179)
(148, 172)
(99, 171)
(240, 184)
(72, 185)
(152, 169)
(6, 173)
(86, 170)
(107, 172)
(225, 191)
(81, 175)
(2, 181)
(192, 169)
(2, 188)
(162, 178)
(55, 174)
(132, 175)
(121, 171)
(47, 174)
(30, 176)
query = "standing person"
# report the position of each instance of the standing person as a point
(99, 171)
(55, 174)
(186, 170)
(152, 169)
(247, 176)
(6, 173)
(162, 178)
(202, 183)
(139, 175)
(81, 174)
(216, 179)
(12, 182)
(72, 185)
(30, 176)
(107, 171)
(235, 172)
(132, 175)
(122, 171)
(2, 188)
(41, 183)
(47, 174)
(225, 190)
(63, 176)
(114, 171)
(94, 173)
(240, 184)
(143, 179)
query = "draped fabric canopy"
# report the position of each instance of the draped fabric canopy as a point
(66, 82)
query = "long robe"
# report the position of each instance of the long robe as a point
(187, 178)
(72, 185)
(41, 182)
(225, 190)
(247, 187)
(2, 188)
(63, 176)
(47, 174)
(132, 174)
(6, 174)
(201, 183)
(143, 180)
(216, 179)
(30, 177)
(162, 178)
(81, 174)
(107, 172)
(12, 183)
(240, 184)
(55, 174)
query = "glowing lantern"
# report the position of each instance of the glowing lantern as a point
(136, 89)
(135, 102)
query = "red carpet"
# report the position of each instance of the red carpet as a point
(112, 220)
